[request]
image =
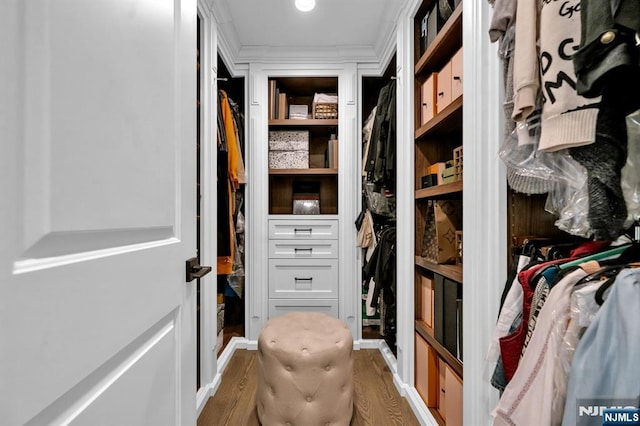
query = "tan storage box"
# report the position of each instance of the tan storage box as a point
(444, 88)
(428, 99)
(456, 75)
(425, 302)
(453, 401)
(426, 372)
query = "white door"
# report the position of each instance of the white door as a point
(97, 212)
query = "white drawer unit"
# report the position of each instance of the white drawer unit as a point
(316, 249)
(303, 278)
(300, 229)
(303, 265)
(284, 306)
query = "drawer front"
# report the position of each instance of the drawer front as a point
(293, 249)
(456, 75)
(444, 88)
(279, 307)
(297, 278)
(303, 229)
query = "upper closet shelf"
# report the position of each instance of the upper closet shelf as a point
(448, 39)
(302, 122)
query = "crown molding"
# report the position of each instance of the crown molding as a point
(305, 54)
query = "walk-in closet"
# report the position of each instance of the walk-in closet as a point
(297, 212)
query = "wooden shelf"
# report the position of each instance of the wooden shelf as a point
(447, 120)
(307, 122)
(436, 415)
(454, 363)
(448, 40)
(453, 272)
(444, 189)
(317, 171)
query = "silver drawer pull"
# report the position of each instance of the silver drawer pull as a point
(307, 230)
(303, 279)
(298, 249)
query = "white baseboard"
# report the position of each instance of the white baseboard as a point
(206, 392)
(368, 344)
(227, 353)
(419, 408)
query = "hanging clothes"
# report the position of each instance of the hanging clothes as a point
(382, 270)
(533, 380)
(231, 174)
(381, 157)
(608, 350)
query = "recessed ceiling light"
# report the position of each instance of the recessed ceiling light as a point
(305, 5)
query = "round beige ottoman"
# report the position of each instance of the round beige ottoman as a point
(305, 371)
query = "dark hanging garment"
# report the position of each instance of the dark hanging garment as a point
(381, 159)
(224, 234)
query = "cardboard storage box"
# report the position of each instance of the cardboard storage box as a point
(428, 99)
(443, 96)
(456, 75)
(288, 149)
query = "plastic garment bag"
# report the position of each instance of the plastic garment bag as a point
(630, 180)
(556, 173)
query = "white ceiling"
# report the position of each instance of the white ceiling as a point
(275, 29)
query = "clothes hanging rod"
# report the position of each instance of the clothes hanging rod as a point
(222, 79)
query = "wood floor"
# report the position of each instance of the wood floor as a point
(377, 401)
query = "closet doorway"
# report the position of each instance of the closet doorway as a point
(378, 316)
(231, 206)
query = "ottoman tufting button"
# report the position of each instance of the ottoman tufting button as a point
(309, 399)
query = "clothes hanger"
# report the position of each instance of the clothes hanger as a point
(597, 256)
(599, 295)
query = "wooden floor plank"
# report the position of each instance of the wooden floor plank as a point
(376, 400)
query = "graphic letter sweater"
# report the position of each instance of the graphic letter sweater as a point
(553, 27)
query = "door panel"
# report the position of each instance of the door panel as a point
(98, 200)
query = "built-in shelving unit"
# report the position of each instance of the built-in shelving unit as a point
(438, 287)
(314, 173)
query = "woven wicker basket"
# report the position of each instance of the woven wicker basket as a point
(325, 111)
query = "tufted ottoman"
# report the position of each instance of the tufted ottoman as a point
(305, 371)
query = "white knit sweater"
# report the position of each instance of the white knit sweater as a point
(547, 35)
